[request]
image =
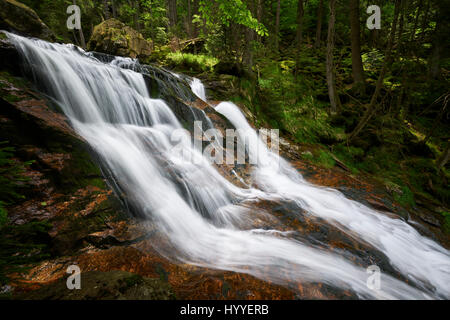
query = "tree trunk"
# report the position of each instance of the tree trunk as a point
(425, 20)
(172, 4)
(442, 161)
(402, 20)
(195, 11)
(416, 20)
(300, 14)
(374, 33)
(372, 108)
(319, 25)
(82, 40)
(438, 119)
(189, 19)
(114, 8)
(441, 32)
(357, 66)
(249, 39)
(299, 36)
(136, 6)
(331, 81)
(277, 25)
(434, 61)
(259, 16)
(106, 9)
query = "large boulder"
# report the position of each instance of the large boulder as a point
(17, 17)
(116, 38)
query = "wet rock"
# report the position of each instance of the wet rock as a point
(428, 218)
(378, 204)
(17, 17)
(95, 285)
(114, 37)
(9, 59)
(42, 135)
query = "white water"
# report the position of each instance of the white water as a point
(198, 89)
(204, 216)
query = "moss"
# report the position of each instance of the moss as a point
(308, 156)
(21, 246)
(405, 197)
(97, 182)
(133, 280)
(326, 160)
(350, 156)
(11, 98)
(446, 225)
(16, 81)
(81, 170)
(321, 158)
(112, 285)
(11, 176)
(22, 18)
(191, 62)
(3, 214)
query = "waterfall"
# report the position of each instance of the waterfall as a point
(198, 89)
(204, 219)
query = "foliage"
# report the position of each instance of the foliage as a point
(227, 12)
(11, 179)
(3, 214)
(192, 62)
(20, 246)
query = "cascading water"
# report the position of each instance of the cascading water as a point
(198, 89)
(207, 220)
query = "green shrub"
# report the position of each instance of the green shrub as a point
(192, 62)
(326, 160)
(405, 198)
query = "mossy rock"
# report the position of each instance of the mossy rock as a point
(17, 17)
(115, 38)
(112, 285)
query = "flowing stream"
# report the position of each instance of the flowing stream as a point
(206, 218)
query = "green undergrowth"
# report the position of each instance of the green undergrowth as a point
(446, 215)
(319, 157)
(11, 179)
(21, 246)
(196, 63)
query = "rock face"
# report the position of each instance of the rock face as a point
(115, 38)
(17, 17)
